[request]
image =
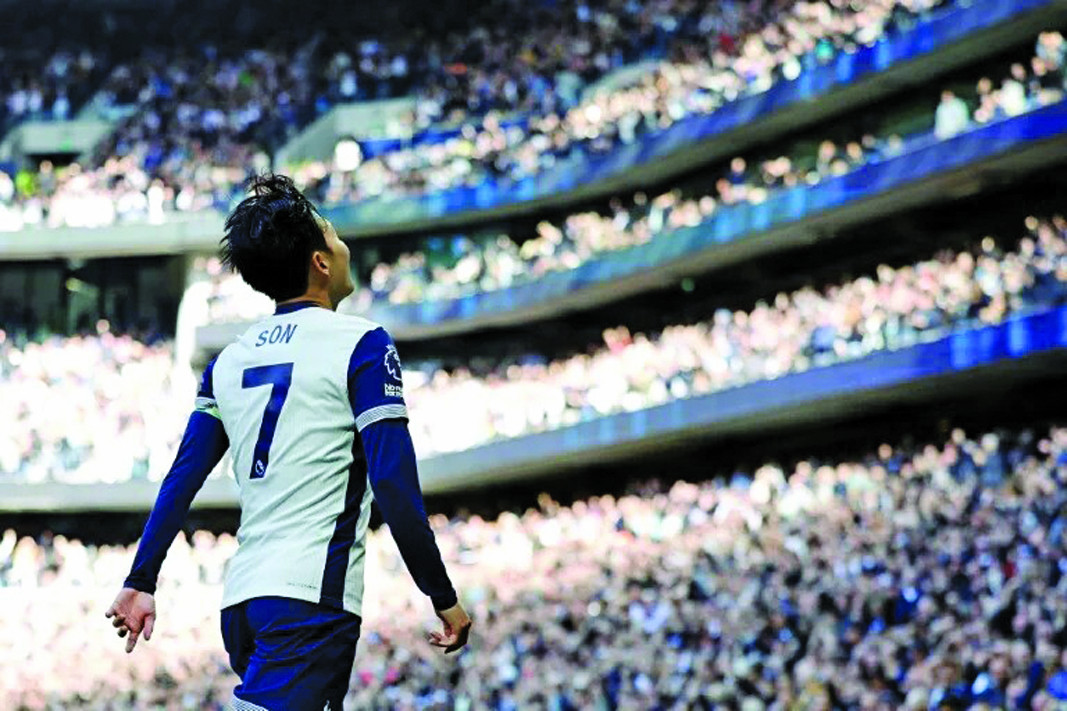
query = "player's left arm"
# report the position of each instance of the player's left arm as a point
(201, 449)
(376, 392)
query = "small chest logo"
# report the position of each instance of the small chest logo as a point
(392, 363)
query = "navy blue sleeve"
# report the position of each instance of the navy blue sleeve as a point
(376, 391)
(202, 447)
(394, 480)
(375, 384)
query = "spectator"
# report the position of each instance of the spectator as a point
(952, 117)
(1013, 97)
(1052, 50)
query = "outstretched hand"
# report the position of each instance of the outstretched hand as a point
(457, 628)
(133, 613)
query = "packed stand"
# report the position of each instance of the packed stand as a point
(204, 119)
(48, 72)
(89, 409)
(45, 88)
(525, 58)
(728, 52)
(134, 393)
(199, 119)
(462, 265)
(914, 577)
(458, 409)
(459, 265)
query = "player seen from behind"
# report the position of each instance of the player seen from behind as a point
(310, 403)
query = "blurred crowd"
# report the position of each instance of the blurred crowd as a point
(453, 266)
(1020, 90)
(218, 295)
(198, 121)
(895, 307)
(732, 50)
(457, 266)
(44, 88)
(66, 396)
(914, 577)
(461, 265)
(97, 408)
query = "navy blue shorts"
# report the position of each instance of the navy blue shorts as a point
(291, 655)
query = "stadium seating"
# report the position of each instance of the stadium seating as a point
(590, 250)
(684, 115)
(180, 151)
(587, 259)
(456, 410)
(856, 579)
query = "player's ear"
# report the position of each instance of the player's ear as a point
(320, 262)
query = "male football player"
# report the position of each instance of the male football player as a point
(310, 402)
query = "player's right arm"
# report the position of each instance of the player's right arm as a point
(201, 449)
(375, 389)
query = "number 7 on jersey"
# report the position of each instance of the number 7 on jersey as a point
(278, 376)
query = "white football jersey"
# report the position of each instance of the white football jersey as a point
(292, 394)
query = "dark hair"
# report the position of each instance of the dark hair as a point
(270, 237)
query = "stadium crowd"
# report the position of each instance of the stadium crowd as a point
(454, 266)
(201, 120)
(108, 388)
(92, 408)
(914, 577)
(458, 265)
(44, 88)
(462, 265)
(731, 54)
(809, 328)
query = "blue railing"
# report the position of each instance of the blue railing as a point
(858, 380)
(581, 168)
(924, 159)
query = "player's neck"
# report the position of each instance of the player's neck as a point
(311, 297)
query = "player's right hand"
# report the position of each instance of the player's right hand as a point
(134, 612)
(457, 627)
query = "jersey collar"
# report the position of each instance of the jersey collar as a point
(294, 306)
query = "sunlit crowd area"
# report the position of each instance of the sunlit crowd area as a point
(115, 410)
(913, 577)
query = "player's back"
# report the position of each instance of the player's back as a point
(283, 395)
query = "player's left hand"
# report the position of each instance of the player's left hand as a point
(457, 628)
(134, 612)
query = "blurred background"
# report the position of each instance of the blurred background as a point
(733, 337)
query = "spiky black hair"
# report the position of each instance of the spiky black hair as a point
(270, 237)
